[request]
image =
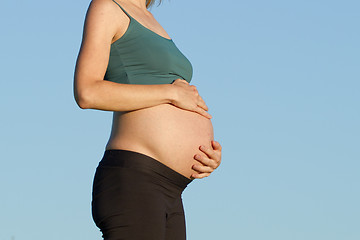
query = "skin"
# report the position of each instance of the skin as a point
(103, 26)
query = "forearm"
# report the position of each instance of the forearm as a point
(110, 96)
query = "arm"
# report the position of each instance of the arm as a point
(103, 23)
(90, 89)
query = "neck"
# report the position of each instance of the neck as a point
(139, 3)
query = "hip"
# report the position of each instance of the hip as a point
(132, 195)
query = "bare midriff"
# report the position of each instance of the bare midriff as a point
(166, 133)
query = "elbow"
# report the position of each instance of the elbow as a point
(85, 93)
(83, 104)
(83, 100)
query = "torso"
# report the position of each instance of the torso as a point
(166, 133)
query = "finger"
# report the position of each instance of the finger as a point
(202, 103)
(201, 111)
(202, 169)
(200, 175)
(210, 153)
(193, 88)
(206, 161)
(216, 145)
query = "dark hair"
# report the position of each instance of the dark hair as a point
(151, 2)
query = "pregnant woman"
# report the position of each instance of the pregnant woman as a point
(161, 137)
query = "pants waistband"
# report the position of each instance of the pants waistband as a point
(140, 161)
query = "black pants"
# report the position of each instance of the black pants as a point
(136, 197)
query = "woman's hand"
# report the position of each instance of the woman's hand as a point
(188, 98)
(209, 163)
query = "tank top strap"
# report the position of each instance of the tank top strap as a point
(122, 9)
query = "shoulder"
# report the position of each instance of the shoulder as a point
(102, 7)
(103, 4)
(104, 15)
(104, 12)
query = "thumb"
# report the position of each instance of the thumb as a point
(216, 145)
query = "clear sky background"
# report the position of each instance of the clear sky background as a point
(281, 79)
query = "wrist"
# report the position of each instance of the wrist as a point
(170, 93)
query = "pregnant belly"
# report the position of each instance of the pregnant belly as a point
(164, 132)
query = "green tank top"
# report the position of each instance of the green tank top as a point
(141, 56)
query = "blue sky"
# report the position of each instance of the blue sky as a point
(281, 79)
